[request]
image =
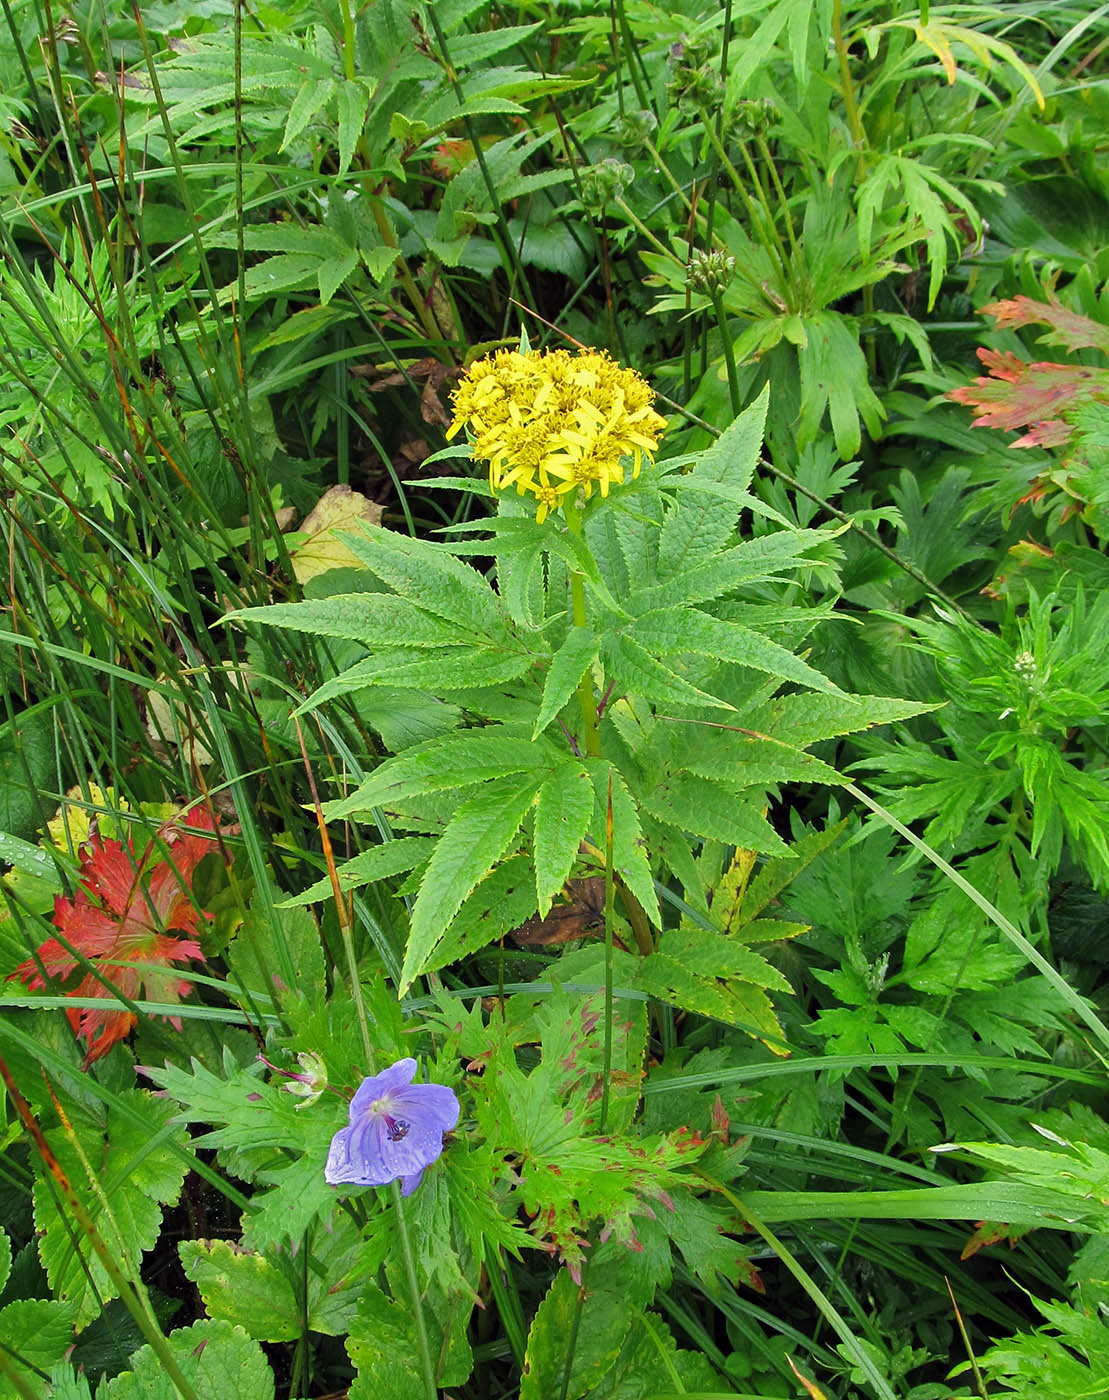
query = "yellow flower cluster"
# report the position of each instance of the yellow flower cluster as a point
(551, 421)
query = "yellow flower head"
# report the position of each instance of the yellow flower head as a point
(549, 421)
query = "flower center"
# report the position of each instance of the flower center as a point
(397, 1128)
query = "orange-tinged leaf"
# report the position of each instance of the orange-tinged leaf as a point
(992, 1232)
(1068, 327)
(811, 1387)
(1034, 396)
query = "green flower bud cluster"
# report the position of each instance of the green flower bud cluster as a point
(696, 84)
(604, 183)
(636, 128)
(710, 271)
(754, 116)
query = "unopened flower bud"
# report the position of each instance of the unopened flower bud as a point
(754, 115)
(636, 128)
(604, 183)
(310, 1085)
(710, 271)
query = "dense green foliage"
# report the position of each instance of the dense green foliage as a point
(734, 844)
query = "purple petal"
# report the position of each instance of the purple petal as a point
(378, 1085)
(419, 1147)
(344, 1167)
(408, 1184)
(426, 1103)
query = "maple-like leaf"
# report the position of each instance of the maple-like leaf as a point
(1069, 328)
(119, 920)
(1044, 395)
(1036, 396)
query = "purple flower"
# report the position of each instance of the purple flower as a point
(396, 1130)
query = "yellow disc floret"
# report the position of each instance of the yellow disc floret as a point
(550, 422)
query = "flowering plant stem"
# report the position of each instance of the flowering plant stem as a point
(127, 1292)
(610, 889)
(850, 98)
(419, 305)
(586, 699)
(342, 908)
(729, 353)
(761, 219)
(430, 1388)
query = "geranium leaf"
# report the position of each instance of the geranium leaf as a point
(215, 1358)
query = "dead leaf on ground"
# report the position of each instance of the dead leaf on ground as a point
(339, 511)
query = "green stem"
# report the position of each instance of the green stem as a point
(519, 276)
(635, 59)
(771, 223)
(586, 699)
(381, 219)
(633, 218)
(610, 891)
(342, 911)
(348, 40)
(854, 120)
(729, 352)
(430, 1388)
(614, 44)
(665, 171)
(787, 217)
(637, 917)
(757, 216)
(86, 1225)
(870, 348)
(415, 297)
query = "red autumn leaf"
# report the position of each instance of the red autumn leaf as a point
(119, 920)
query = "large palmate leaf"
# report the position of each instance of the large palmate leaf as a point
(480, 833)
(716, 977)
(563, 811)
(454, 761)
(706, 523)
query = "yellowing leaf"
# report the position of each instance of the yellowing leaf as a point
(338, 511)
(812, 1390)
